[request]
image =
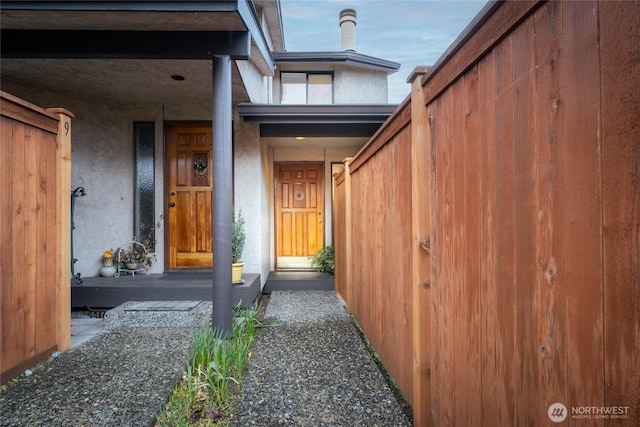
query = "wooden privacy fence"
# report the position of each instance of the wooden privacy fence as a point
(488, 236)
(35, 175)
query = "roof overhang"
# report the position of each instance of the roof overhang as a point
(345, 57)
(134, 29)
(83, 44)
(343, 120)
(128, 51)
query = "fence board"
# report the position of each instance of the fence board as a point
(6, 263)
(619, 49)
(505, 236)
(471, 261)
(548, 308)
(487, 180)
(18, 270)
(457, 296)
(525, 219)
(580, 152)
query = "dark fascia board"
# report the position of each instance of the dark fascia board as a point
(348, 57)
(194, 50)
(248, 14)
(130, 6)
(323, 130)
(124, 44)
(322, 114)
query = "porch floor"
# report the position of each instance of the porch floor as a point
(298, 281)
(109, 292)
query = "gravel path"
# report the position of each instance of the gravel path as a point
(120, 378)
(312, 369)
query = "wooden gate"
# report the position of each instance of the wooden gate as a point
(35, 266)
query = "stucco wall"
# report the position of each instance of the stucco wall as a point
(251, 194)
(355, 85)
(256, 86)
(102, 163)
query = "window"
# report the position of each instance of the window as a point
(143, 213)
(306, 88)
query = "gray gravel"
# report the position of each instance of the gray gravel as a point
(121, 377)
(312, 369)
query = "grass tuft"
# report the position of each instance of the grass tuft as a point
(204, 395)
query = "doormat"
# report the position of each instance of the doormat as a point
(163, 306)
(160, 314)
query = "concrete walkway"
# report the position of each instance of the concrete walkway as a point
(85, 328)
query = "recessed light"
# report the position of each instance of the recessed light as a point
(300, 138)
(177, 77)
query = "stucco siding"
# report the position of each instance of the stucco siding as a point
(102, 163)
(249, 194)
(358, 86)
(254, 83)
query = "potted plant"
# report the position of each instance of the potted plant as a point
(238, 238)
(135, 256)
(324, 260)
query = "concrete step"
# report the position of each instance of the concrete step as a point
(298, 281)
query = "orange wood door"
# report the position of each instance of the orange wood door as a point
(189, 196)
(299, 211)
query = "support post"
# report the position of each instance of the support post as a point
(63, 224)
(222, 182)
(421, 169)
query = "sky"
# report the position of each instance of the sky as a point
(410, 32)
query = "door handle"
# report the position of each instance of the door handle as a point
(319, 221)
(172, 204)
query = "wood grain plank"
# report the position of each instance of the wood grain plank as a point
(457, 298)
(444, 365)
(44, 330)
(581, 195)
(63, 229)
(31, 253)
(472, 255)
(421, 168)
(505, 236)
(620, 88)
(484, 33)
(27, 113)
(403, 268)
(7, 144)
(524, 93)
(549, 299)
(490, 300)
(18, 267)
(56, 260)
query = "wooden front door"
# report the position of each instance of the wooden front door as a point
(299, 214)
(189, 196)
